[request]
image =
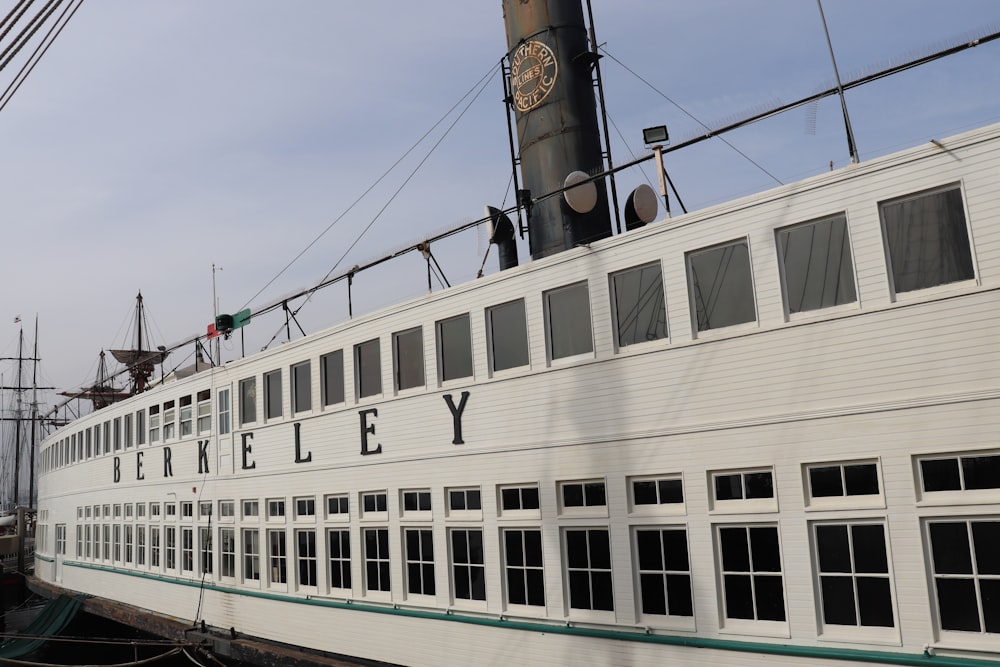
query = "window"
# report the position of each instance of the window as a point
(337, 507)
(464, 500)
(507, 327)
(454, 348)
(205, 542)
(650, 493)
(154, 546)
(117, 435)
(847, 479)
(408, 357)
(106, 437)
(927, 240)
(965, 555)
(720, 286)
(519, 499)
(971, 472)
(331, 369)
(227, 510)
(639, 309)
(140, 510)
(305, 508)
(171, 510)
(301, 387)
(567, 319)
(853, 571)
(154, 425)
(88, 540)
(106, 541)
(750, 568)
(416, 501)
(467, 564)
(743, 491)
(275, 508)
(251, 508)
(227, 552)
(187, 417)
(204, 411)
(523, 575)
(187, 510)
(368, 368)
(170, 536)
(61, 539)
(305, 555)
(272, 395)
(154, 510)
(376, 543)
(664, 574)
(419, 561)
(128, 433)
(187, 549)
(169, 417)
(248, 401)
(339, 541)
(583, 494)
(588, 569)
(224, 415)
(277, 556)
(129, 508)
(816, 266)
(373, 503)
(140, 430)
(205, 510)
(251, 554)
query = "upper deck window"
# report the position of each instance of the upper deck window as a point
(639, 309)
(302, 387)
(272, 395)
(408, 357)
(169, 415)
(248, 400)
(224, 411)
(567, 318)
(204, 411)
(816, 265)
(508, 334)
(187, 417)
(331, 371)
(927, 239)
(368, 368)
(454, 342)
(720, 286)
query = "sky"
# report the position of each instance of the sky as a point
(157, 138)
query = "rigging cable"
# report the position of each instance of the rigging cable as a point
(29, 31)
(26, 3)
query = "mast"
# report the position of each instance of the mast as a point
(17, 417)
(34, 420)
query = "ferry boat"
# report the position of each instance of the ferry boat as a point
(760, 433)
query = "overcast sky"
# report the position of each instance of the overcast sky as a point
(156, 138)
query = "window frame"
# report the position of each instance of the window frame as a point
(742, 505)
(755, 626)
(572, 354)
(301, 404)
(666, 621)
(616, 324)
(845, 501)
(735, 327)
(782, 253)
(490, 314)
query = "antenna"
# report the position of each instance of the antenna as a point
(840, 88)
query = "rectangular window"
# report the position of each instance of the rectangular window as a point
(973, 472)
(419, 561)
(567, 320)
(305, 508)
(368, 368)
(187, 416)
(523, 574)
(272, 395)
(140, 430)
(106, 541)
(88, 540)
(170, 536)
(154, 510)
(224, 411)
(337, 506)
(720, 286)
(507, 327)
(117, 431)
(187, 550)
(467, 563)
(588, 569)
(305, 555)
(519, 498)
(750, 568)
(853, 571)
(664, 575)
(169, 421)
(154, 546)
(340, 558)
(373, 503)
(651, 492)
(965, 561)
(171, 510)
(248, 401)
(251, 508)
(301, 387)
(816, 267)
(154, 426)
(840, 480)
(416, 501)
(454, 348)
(583, 494)
(105, 437)
(927, 239)
(464, 500)
(128, 432)
(749, 485)
(331, 370)
(277, 556)
(140, 545)
(275, 508)
(205, 510)
(129, 543)
(205, 544)
(227, 552)
(204, 411)
(408, 358)
(116, 542)
(376, 556)
(227, 510)
(639, 308)
(251, 554)
(187, 510)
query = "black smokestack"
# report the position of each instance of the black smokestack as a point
(552, 89)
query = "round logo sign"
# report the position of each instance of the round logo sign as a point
(533, 72)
